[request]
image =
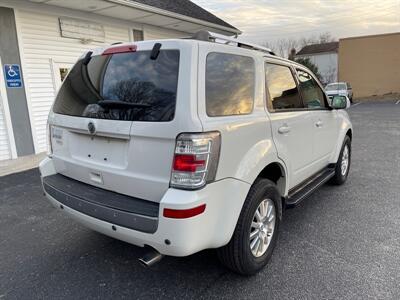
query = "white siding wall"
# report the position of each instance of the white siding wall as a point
(327, 65)
(40, 44)
(155, 33)
(5, 152)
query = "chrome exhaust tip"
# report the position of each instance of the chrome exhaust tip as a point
(150, 258)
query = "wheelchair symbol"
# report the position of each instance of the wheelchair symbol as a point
(11, 72)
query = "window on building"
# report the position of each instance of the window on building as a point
(283, 92)
(137, 35)
(229, 84)
(313, 96)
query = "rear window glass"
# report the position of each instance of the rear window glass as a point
(229, 84)
(124, 86)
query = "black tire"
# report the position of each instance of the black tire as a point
(339, 177)
(237, 255)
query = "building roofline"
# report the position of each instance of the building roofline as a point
(168, 13)
(369, 36)
(319, 48)
(317, 53)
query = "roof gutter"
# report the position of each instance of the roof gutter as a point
(167, 13)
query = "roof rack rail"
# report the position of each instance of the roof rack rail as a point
(208, 36)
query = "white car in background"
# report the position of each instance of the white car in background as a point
(340, 89)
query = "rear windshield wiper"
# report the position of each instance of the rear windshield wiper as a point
(121, 104)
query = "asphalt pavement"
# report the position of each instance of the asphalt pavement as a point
(341, 243)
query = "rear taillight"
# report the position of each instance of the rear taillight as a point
(189, 163)
(195, 159)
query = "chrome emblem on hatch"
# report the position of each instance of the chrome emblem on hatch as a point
(91, 128)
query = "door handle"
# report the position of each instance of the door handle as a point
(319, 124)
(284, 129)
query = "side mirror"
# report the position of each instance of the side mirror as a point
(340, 102)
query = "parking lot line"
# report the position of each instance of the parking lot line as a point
(355, 104)
(398, 101)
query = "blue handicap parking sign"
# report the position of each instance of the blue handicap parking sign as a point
(13, 76)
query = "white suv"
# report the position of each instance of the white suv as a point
(186, 144)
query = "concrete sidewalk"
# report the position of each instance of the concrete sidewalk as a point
(20, 164)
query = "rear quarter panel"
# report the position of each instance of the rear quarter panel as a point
(246, 140)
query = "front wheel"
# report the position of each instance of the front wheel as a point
(343, 163)
(256, 232)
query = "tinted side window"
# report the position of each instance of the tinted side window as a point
(229, 84)
(282, 88)
(313, 96)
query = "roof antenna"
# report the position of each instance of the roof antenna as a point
(155, 51)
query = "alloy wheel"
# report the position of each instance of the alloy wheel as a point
(262, 227)
(345, 160)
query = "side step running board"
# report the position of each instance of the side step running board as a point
(305, 189)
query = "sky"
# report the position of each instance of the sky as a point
(269, 20)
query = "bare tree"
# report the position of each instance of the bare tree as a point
(283, 47)
(325, 37)
(330, 75)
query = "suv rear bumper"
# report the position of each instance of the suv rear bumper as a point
(211, 229)
(105, 205)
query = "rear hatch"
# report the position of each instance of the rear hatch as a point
(116, 116)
